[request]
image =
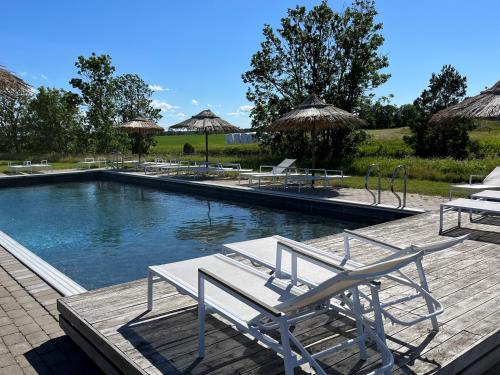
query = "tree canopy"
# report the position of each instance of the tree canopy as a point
(334, 55)
(446, 88)
(51, 120)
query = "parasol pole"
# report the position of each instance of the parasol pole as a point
(206, 146)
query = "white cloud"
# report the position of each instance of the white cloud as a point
(164, 106)
(209, 105)
(242, 110)
(158, 88)
(245, 108)
(43, 76)
(22, 74)
(195, 102)
(180, 114)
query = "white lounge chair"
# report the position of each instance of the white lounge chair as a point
(273, 171)
(490, 182)
(277, 254)
(216, 167)
(43, 165)
(307, 176)
(89, 162)
(25, 166)
(257, 303)
(468, 205)
(487, 195)
(158, 164)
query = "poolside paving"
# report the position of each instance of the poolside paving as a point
(31, 341)
(418, 201)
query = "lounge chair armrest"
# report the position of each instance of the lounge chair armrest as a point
(265, 166)
(370, 240)
(440, 245)
(475, 175)
(339, 171)
(217, 281)
(311, 256)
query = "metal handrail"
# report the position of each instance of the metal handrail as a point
(405, 176)
(376, 199)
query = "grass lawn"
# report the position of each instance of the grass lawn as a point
(384, 147)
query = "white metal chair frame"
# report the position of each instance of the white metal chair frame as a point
(307, 175)
(337, 264)
(367, 329)
(478, 186)
(25, 165)
(493, 209)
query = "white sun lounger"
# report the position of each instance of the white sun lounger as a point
(306, 176)
(215, 167)
(276, 252)
(92, 161)
(490, 182)
(468, 205)
(487, 195)
(158, 165)
(25, 166)
(275, 172)
(257, 303)
(43, 165)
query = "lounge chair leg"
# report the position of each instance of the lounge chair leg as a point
(347, 250)
(425, 286)
(359, 324)
(150, 291)
(201, 317)
(287, 351)
(441, 213)
(459, 217)
(379, 324)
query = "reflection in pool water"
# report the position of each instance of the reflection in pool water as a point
(104, 233)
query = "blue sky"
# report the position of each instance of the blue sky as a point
(195, 51)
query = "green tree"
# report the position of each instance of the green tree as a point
(334, 55)
(408, 115)
(97, 90)
(13, 119)
(379, 114)
(445, 89)
(133, 99)
(56, 124)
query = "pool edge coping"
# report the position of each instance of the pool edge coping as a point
(48, 273)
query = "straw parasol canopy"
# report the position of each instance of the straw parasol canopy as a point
(141, 126)
(314, 114)
(485, 106)
(206, 122)
(9, 82)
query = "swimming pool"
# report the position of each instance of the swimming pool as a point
(102, 233)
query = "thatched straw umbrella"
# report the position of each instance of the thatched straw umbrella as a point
(206, 122)
(141, 126)
(9, 83)
(314, 114)
(486, 106)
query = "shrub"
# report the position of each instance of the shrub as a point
(188, 149)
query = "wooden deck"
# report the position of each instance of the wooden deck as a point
(112, 324)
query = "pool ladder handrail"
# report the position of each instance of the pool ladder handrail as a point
(405, 177)
(376, 198)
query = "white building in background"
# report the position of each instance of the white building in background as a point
(240, 138)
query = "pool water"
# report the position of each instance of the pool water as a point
(103, 233)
